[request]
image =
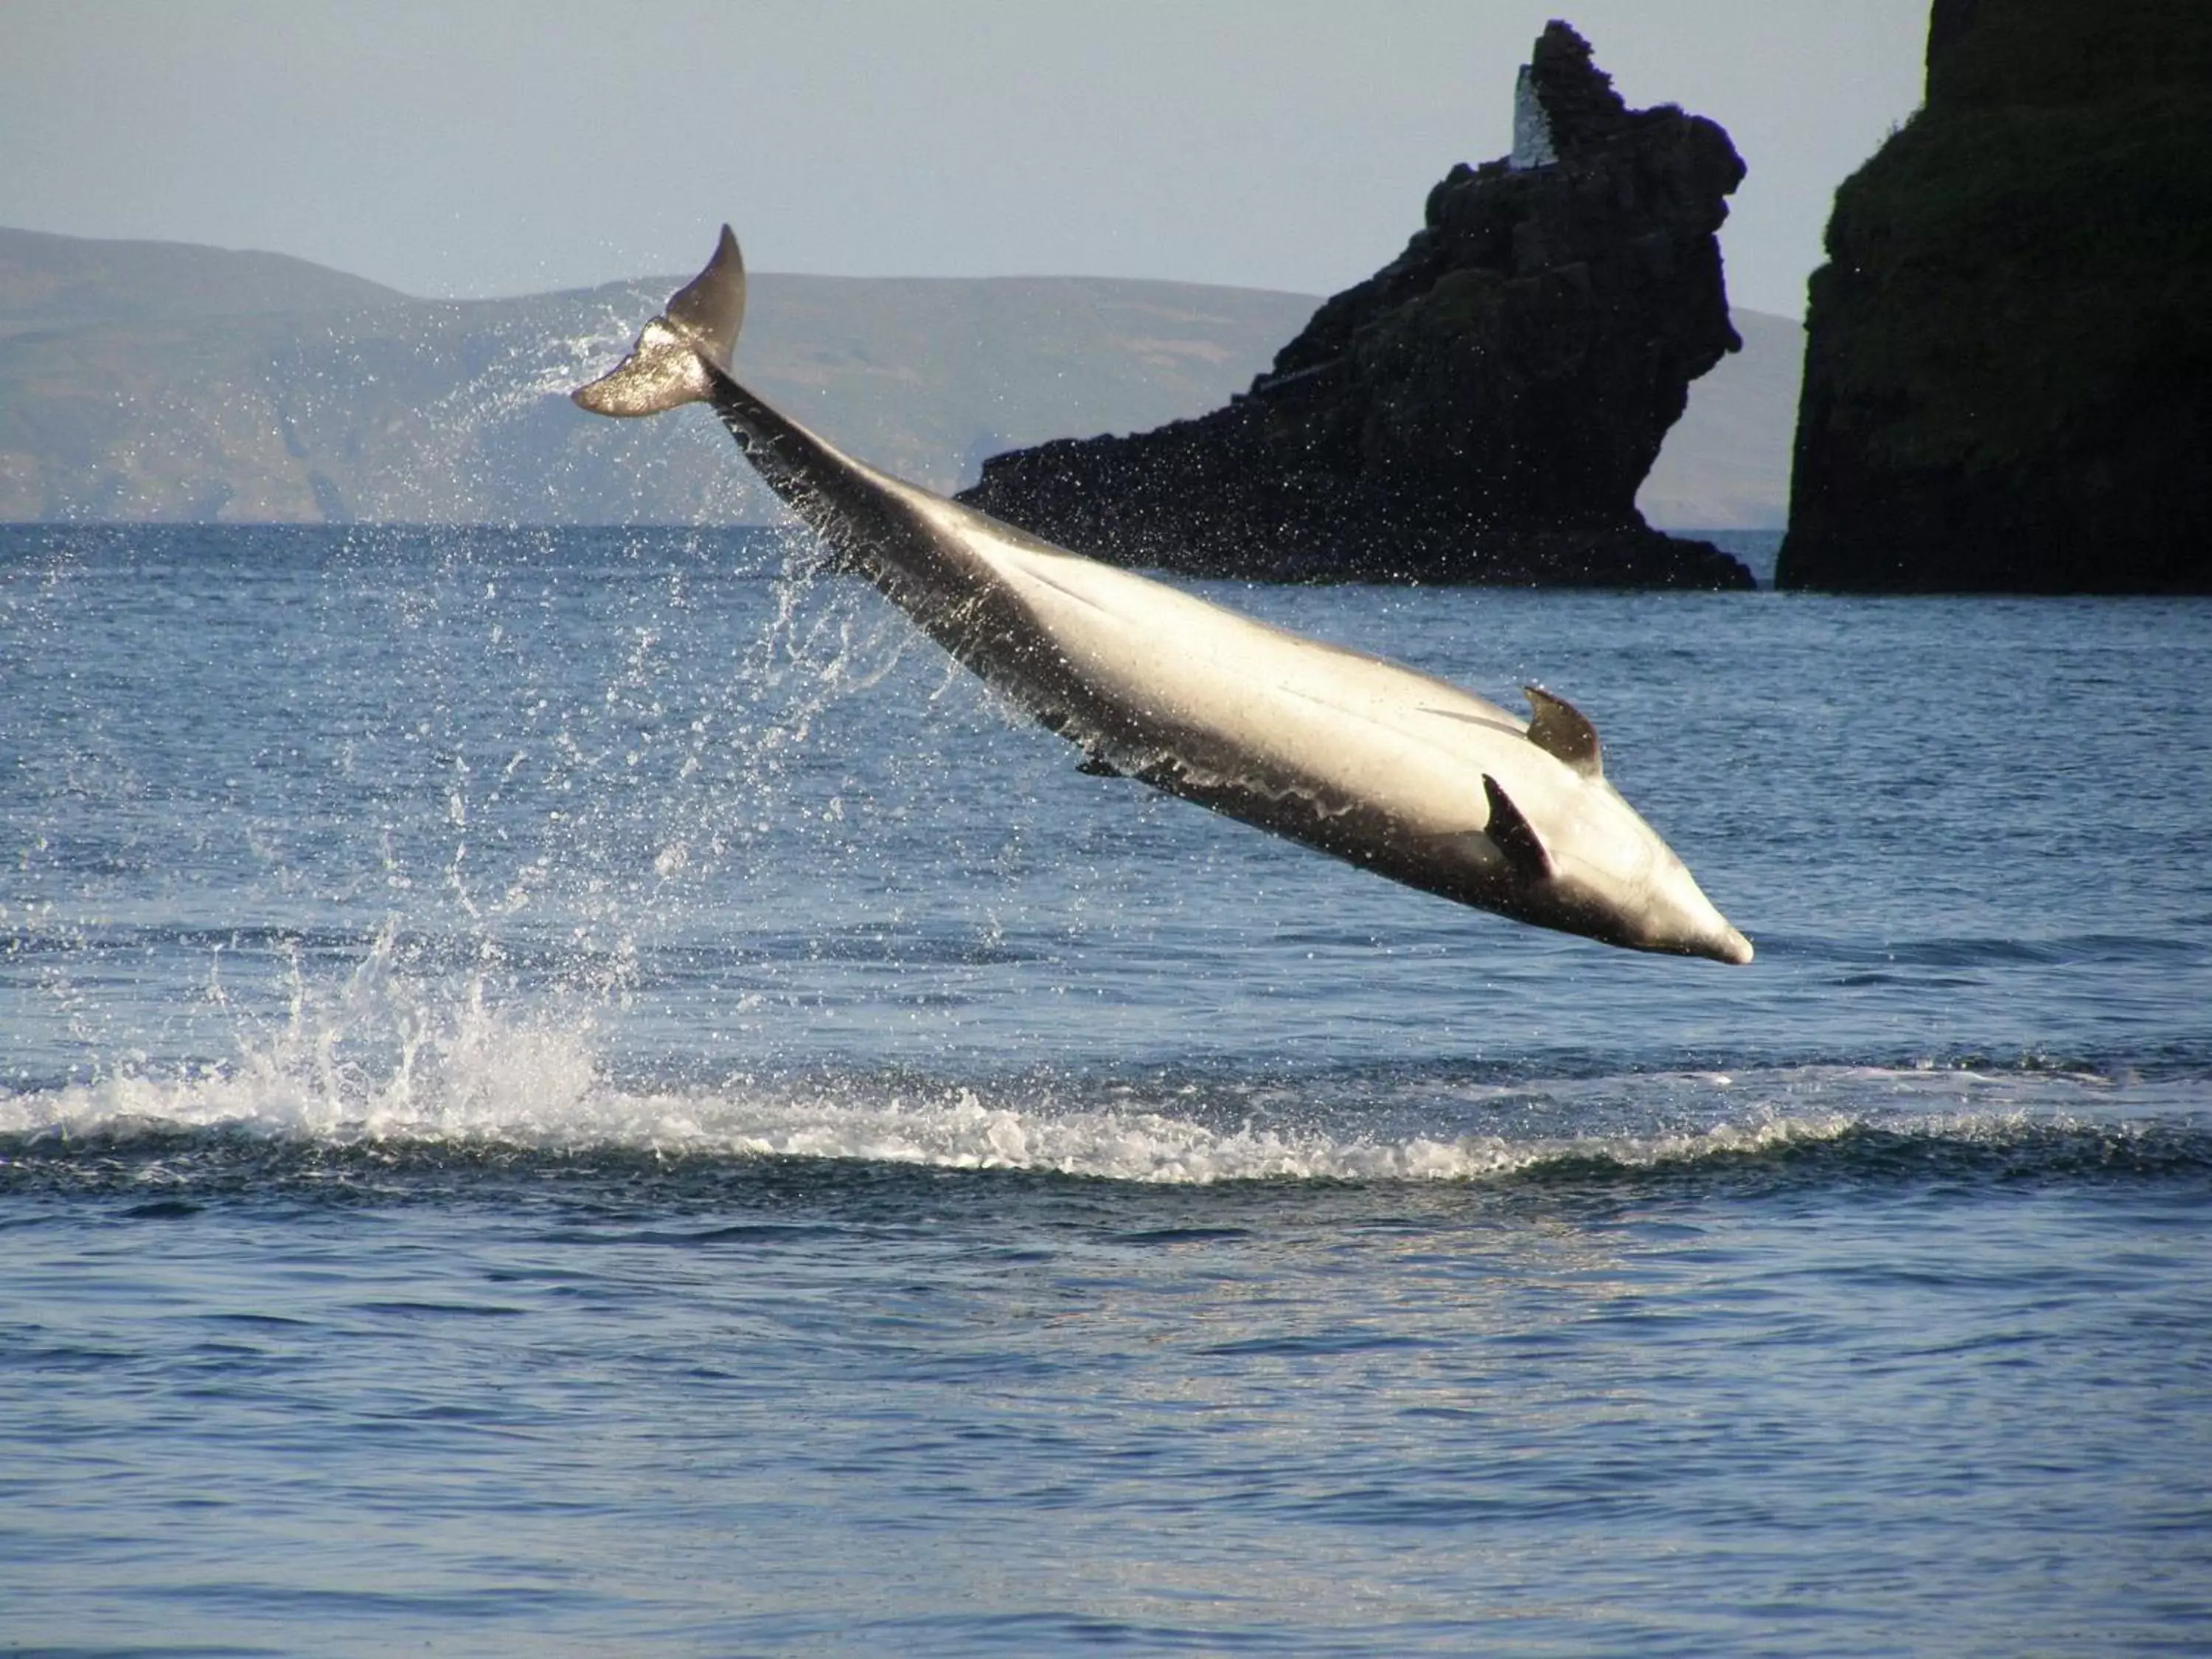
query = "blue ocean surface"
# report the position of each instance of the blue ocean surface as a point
(588, 1092)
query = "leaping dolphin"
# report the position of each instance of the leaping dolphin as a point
(1387, 769)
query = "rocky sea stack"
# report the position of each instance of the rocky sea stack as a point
(2008, 355)
(1481, 409)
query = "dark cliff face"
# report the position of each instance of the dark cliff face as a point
(1483, 408)
(2008, 355)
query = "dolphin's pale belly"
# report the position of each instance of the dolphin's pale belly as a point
(1361, 757)
(1225, 701)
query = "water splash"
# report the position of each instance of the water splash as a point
(382, 1060)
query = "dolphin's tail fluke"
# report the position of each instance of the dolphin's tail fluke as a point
(677, 356)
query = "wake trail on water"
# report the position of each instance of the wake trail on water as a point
(465, 1079)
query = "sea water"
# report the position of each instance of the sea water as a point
(587, 1091)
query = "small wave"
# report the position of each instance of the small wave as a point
(481, 1085)
(383, 1062)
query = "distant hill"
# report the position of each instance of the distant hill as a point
(70, 281)
(148, 380)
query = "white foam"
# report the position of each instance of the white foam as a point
(481, 1080)
(379, 1059)
(538, 1092)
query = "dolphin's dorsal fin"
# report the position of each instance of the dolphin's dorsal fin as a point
(1561, 731)
(1513, 834)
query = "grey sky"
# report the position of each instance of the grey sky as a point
(479, 147)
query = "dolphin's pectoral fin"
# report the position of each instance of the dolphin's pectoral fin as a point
(1564, 732)
(1513, 834)
(678, 354)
